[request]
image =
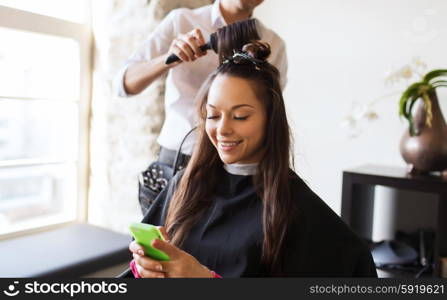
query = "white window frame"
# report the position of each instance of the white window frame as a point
(26, 21)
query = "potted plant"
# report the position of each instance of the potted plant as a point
(424, 90)
(424, 144)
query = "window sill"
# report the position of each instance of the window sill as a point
(72, 251)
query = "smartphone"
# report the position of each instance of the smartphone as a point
(144, 234)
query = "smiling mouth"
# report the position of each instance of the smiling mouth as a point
(228, 146)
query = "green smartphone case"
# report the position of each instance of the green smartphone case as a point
(144, 234)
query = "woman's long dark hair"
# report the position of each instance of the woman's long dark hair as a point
(198, 184)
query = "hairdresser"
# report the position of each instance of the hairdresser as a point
(181, 32)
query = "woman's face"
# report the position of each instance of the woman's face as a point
(235, 120)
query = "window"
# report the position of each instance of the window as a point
(44, 107)
(70, 10)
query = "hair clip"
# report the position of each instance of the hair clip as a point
(240, 58)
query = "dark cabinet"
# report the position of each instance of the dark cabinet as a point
(358, 204)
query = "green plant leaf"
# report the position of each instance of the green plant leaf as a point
(410, 119)
(410, 92)
(409, 113)
(433, 74)
(439, 81)
(439, 85)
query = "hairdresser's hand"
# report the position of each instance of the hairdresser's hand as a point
(181, 264)
(186, 46)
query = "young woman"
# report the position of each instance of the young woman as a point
(238, 209)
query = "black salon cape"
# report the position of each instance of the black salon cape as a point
(228, 238)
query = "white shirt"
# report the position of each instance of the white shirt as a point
(184, 80)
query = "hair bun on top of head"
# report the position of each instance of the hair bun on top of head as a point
(257, 49)
(255, 52)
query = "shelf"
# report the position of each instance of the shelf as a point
(358, 199)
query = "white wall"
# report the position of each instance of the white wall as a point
(339, 51)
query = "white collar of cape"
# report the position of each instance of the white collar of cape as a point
(241, 169)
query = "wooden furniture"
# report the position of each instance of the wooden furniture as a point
(358, 200)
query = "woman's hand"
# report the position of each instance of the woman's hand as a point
(181, 264)
(186, 46)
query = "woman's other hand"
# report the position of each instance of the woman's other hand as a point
(146, 266)
(180, 264)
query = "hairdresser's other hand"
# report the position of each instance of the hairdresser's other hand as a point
(186, 46)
